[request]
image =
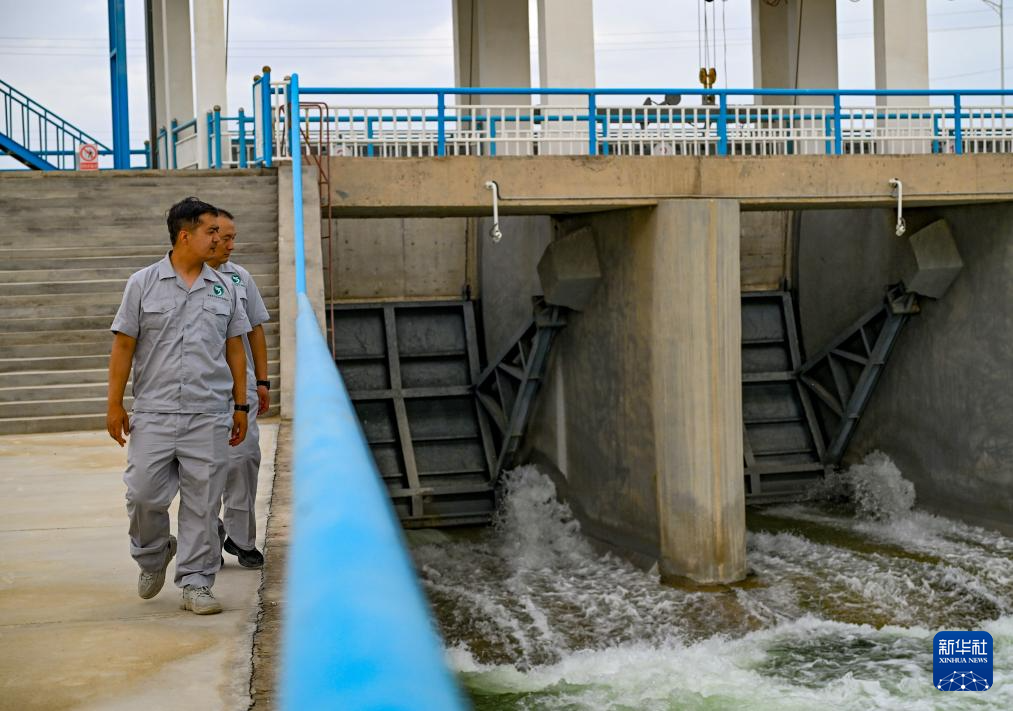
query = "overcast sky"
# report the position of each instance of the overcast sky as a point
(56, 50)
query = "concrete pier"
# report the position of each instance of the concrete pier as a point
(649, 394)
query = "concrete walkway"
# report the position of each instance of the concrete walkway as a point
(73, 633)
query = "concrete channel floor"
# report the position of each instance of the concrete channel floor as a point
(73, 633)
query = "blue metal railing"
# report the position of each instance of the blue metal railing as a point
(38, 137)
(263, 148)
(357, 630)
(721, 116)
(235, 132)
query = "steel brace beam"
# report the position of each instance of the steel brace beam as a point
(844, 375)
(506, 389)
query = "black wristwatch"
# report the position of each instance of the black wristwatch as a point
(242, 408)
(265, 383)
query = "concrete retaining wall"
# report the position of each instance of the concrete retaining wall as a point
(944, 406)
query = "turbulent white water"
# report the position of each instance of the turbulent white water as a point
(840, 613)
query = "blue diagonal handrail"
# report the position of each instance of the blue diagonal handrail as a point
(357, 633)
(31, 132)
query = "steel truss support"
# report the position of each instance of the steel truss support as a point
(506, 389)
(844, 375)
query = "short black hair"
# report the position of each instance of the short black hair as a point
(222, 212)
(185, 214)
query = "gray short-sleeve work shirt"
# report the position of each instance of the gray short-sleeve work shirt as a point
(179, 361)
(256, 311)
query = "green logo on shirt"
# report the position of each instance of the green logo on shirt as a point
(218, 289)
(236, 280)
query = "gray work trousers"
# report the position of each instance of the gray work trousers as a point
(241, 487)
(166, 454)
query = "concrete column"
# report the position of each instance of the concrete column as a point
(565, 46)
(652, 391)
(795, 47)
(901, 37)
(173, 65)
(209, 45)
(770, 49)
(491, 46)
(158, 77)
(697, 390)
(565, 60)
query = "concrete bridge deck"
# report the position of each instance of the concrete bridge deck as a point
(455, 186)
(73, 633)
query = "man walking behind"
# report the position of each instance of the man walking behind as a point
(240, 526)
(179, 325)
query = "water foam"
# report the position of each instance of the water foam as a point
(874, 486)
(535, 619)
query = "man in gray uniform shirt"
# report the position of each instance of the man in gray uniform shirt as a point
(239, 530)
(180, 325)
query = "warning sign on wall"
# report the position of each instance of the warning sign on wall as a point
(87, 156)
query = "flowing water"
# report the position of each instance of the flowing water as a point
(839, 613)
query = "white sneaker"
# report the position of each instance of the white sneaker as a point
(150, 583)
(200, 600)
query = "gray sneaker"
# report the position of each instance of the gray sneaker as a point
(200, 600)
(149, 583)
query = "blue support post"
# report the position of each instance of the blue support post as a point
(592, 124)
(211, 128)
(265, 116)
(118, 82)
(838, 132)
(958, 130)
(242, 139)
(295, 148)
(369, 134)
(722, 124)
(935, 133)
(492, 135)
(441, 126)
(217, 125)
(172, 139)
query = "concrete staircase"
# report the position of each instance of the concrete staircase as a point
(68, 244)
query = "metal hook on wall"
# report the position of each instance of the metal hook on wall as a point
(495, 231)
(898, 187)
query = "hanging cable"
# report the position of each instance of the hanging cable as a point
(724, 41)
(699, 41)
(706, 41)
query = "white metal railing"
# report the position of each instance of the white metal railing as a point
(638, 130)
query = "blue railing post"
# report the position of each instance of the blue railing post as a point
(217, 122)
(722, 124)
(265, 117)
(838, 131)
(295, 148)
(441, 126)
(172, 138)
(369, 135)
(242, 139)
(592, 124)
(147, 154)
(935, 133)
(209, 120)
(958, 130)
